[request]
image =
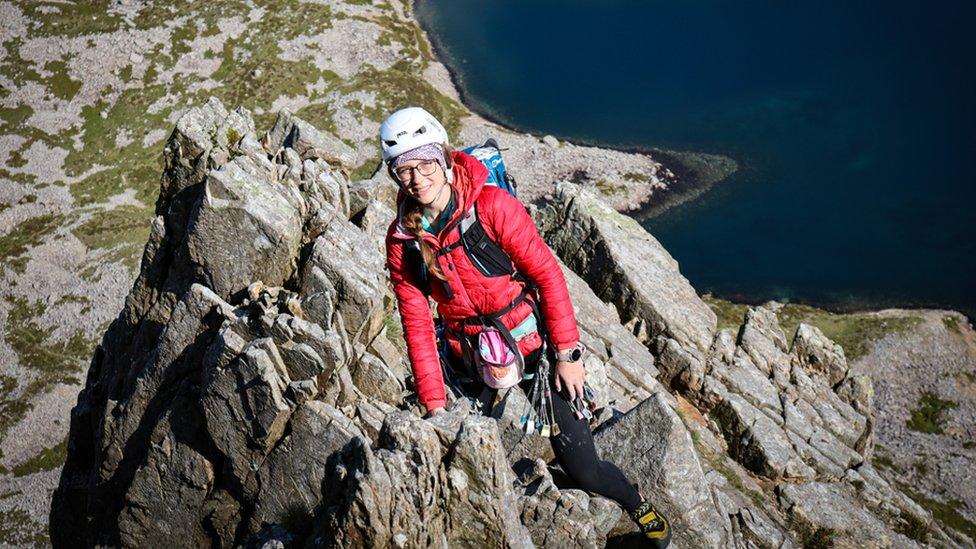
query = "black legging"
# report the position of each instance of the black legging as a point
(573, 446)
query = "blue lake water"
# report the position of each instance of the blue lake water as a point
(853, 123)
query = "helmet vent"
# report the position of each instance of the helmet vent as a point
(390, 143)
(420, 131)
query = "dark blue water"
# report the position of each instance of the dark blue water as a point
(853, 123)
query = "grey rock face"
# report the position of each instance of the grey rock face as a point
(338, 267)
(417, 491)
(290, 481)
(815, 352)
(829, 511)
(563, 518)
(307, 141)
(652, 447)
(245, 229)
(626, 266)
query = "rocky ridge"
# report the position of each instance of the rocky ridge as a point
(253, 389)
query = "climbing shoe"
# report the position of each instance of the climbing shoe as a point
(653, 524)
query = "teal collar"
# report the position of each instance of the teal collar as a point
(441, 220)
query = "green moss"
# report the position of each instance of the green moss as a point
(61, 85)
(947, 513)
(635, 177)
(394, 331)
(969, 444)
(46, 460)
(810, 536)
(27, 234)
(914, 527)
(952, 324)
(233, 136)
(927, 418)
(18, 528)
(855, 332)
(52, 361)
(730, 315)
(120, 225)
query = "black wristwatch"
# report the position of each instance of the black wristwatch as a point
(571, 355)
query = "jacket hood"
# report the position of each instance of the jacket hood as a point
(469, 179)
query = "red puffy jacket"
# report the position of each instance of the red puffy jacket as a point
(508, 224)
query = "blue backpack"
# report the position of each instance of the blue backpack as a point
(489, 154)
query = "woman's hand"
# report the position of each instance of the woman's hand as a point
(434, 411)
(570, 375)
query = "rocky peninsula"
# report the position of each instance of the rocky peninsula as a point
(90, 94)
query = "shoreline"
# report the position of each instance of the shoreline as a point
(696, 172)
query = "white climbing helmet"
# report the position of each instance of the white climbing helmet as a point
(408, 129)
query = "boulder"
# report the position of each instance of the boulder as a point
(245, 229)
(355, 282)
(815, 352)
(422, 488)
(652, 447)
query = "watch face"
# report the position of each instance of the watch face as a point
(575, 355)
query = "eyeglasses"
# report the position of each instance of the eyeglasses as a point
(426, 167)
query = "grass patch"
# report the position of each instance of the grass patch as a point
(52, 361)
(402, 85)
(15, 117)
(882, 461)
(913, 527)
(61, 85)
(952, 324)
(810, 536)
(969, 444)
(610, 188)
(121, 225)
(19, 529)
(26, 235)
(855, 332)
(730, 315)
(947, 513)
(46, 460)
(11, 409)
(72, 19)
(635, 177)
(928, 417)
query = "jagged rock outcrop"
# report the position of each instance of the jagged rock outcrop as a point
(787, 410)
(626, 266)
(254, 390)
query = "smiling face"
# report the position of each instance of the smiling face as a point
(422, 180)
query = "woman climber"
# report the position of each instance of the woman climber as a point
(502, 302)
